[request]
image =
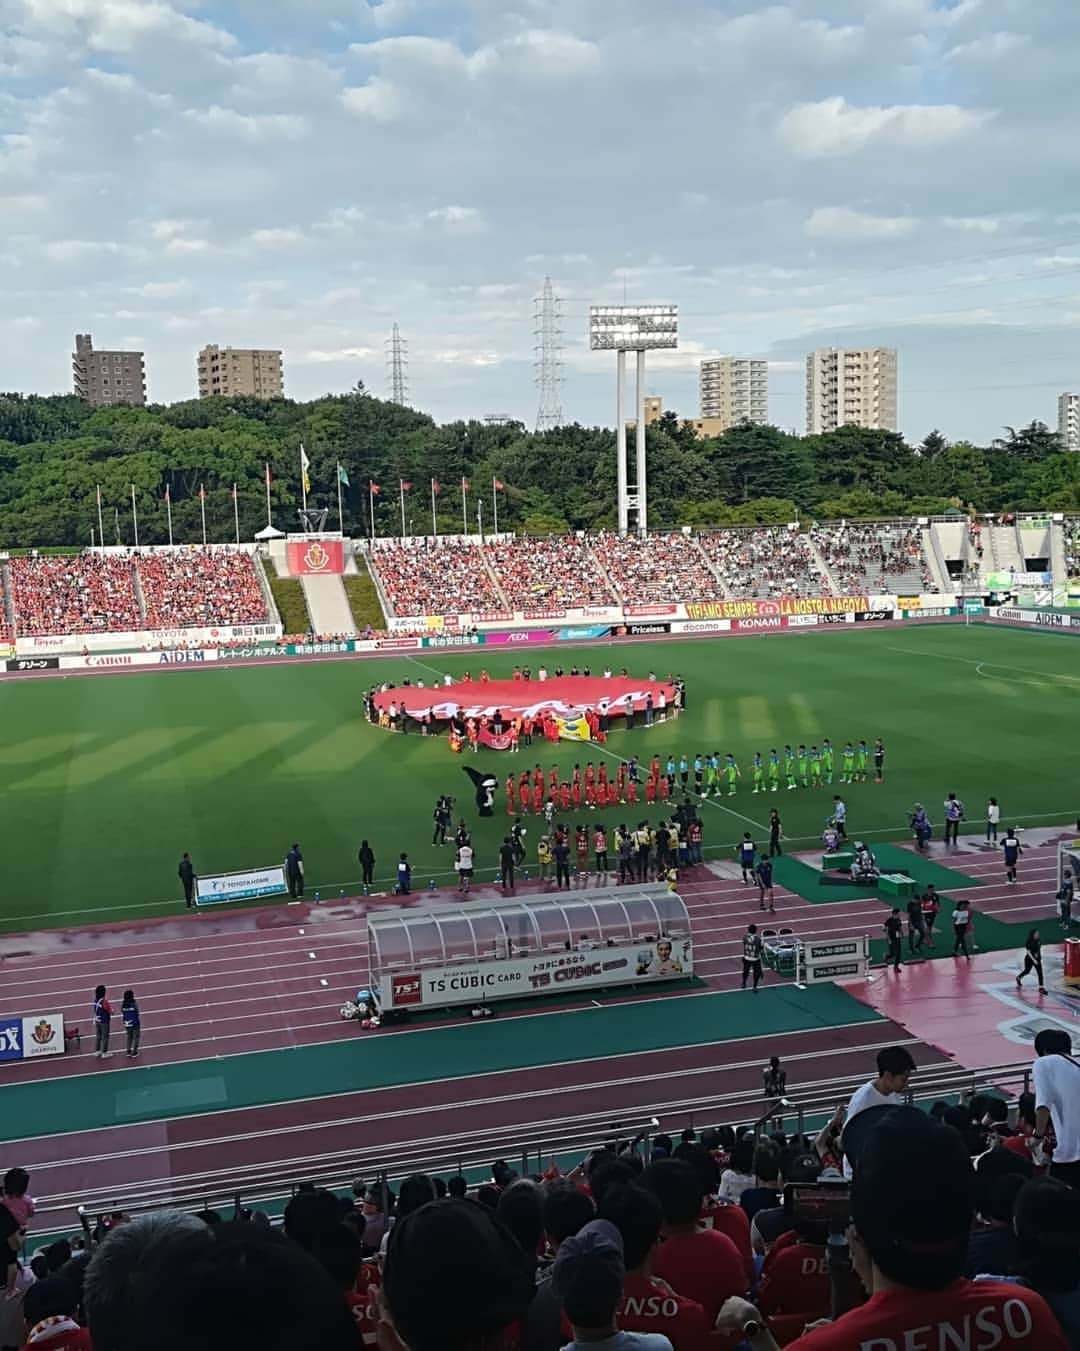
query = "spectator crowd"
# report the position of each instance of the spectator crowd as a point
(199, 587)
(955, 1221)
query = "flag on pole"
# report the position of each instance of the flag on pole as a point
(435, 486)
(305, 467)
(342, 476)
(373, 487)
(498, 484)
(166, 492)
(465, 485)
(405, 486)
(202, 493)
(168, 512)
(268, 475)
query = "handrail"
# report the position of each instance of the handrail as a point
(530, 1141)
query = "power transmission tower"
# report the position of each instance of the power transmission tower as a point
(548, 359)
(397, 359)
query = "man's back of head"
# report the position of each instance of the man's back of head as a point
(171, 1282)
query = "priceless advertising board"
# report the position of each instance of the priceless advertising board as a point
(30, 1038)
(640, 630)
(434, 987)
(221, 888)
(783, 605)
(316, 558)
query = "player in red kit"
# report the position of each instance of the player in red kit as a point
(665, 789)
(575, 793)
(511, 796)
(601, 779)
(538, 798)
(654, 767)
(650, 791)
(538, 777)
(564, 796)
(553, 780)
(620, 779)
(631, 793)
(590, 794)
(612, 795)
(590, 774)
(577, 774)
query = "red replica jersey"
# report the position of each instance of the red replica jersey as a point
(797, 1282)
(650, 1305)
(731, 1220)
(600, 842)
(976, 1314)
(706, 1267)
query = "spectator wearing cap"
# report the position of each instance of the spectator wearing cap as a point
(911, 1210)
(1056, 1081)
(703, 1264)
(455, 1280)
(170, 1282)
(649, 1304)
(1046, 1221)
(49, 1309)
(588, 1277)
(566, 1211)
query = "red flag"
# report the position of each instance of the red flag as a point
(498, 484)
(404, 486)
(465, 484)
(268, 475)
(202, 493)
(373, 487)
(435, 486)
(234, 492)
(166, 492)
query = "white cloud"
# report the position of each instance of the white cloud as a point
(982, 225)
(320, 358)
(78, 250)
(260, 128)
(277, 237)
(453, 356)
(835, 127)
(459, 220)
(843, 223)
(120, 27)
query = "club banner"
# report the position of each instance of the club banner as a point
(493, 741)
(783, 605)
(240, 886)
(573, 729)
(316, 558)
(30, 1038)
(646, 962)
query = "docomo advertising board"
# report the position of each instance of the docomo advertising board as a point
(30, 1038)
(546, 973)
(241, 886)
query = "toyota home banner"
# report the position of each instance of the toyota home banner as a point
(432, 987)
(240, 886)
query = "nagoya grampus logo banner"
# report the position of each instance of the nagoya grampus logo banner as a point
(316, 557)
(784, 605)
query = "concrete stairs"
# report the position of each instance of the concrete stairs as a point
(327, 605)
(935, 560)
(721, 585)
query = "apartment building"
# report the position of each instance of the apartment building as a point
(846, 385)
(105, 378)
(1069, 421)
(240, 370)
(734, 390)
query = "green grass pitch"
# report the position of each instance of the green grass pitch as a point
(107, 779)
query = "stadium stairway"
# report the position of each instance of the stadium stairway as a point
(328, 605)
(935, 560)
(1058, 566)
(722, 586)
(822, 566)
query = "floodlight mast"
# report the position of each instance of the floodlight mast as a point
(622, 329)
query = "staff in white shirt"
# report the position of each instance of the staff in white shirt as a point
(894, 1068)
(1056, 1081)
(993, 817)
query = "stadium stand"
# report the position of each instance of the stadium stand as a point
(559, 570)
(440, 577)
(874, 558)
(200, 588)
(660, 568)
(84, 594)
(767, 561)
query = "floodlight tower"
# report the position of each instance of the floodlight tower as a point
(638, 329)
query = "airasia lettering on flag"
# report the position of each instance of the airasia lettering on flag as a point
(784, 605)
(317, 557)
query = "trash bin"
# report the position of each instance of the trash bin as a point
(1072, 961)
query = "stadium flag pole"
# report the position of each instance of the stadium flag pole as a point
(401, 493)
(236, 512)
(168, 512)
(100, 527)
(464, 509)
(480, 518)
(134, 516)
(496, 486)
(269, 521)
(340, 517)
(434, 518)
(202, 508)
(373, 488)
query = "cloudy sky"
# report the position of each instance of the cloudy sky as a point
(303, 173)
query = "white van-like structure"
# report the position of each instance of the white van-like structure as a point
(475, 952)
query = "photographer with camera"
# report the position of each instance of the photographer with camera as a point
(912, 1200)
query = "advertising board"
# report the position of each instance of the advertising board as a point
(760, 624)
(782, 605)
(40, 1034)
(701, 626)
(221, 888)
(434, 987)
(34, 664)
(640, 630)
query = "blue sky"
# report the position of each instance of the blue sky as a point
(266, 172)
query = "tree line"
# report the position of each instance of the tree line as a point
(56, 451)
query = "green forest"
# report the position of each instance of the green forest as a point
(55, 451)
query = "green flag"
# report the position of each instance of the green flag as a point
(342, 476)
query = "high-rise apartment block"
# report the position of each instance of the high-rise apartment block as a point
(851, 385)
(105, 378)
(240, 370)
(1069, 421)
(734, 390)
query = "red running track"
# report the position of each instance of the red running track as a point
(213, 985)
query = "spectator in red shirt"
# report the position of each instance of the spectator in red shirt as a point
(795, 1277)
(49, 1308)
(649, 1304)
(703, 1264)
(911, 1206)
